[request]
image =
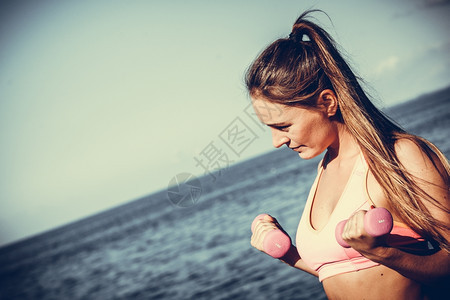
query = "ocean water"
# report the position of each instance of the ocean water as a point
(152, 249)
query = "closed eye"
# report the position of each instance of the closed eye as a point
(281, 128)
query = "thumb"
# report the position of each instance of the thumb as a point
(269, 218)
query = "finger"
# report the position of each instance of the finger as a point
(270, 218)
(357, 219)
(260, 233)
(265, 221)
(354, 228)
(262, 229)
(358, 223)
(273, 220)
(263, 218)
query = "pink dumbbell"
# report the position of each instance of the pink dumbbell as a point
(276, 243)
(377, 222)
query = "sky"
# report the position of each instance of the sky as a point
(104, 102)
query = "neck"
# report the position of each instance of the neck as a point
(344, 147)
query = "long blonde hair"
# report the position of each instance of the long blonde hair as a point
(294, 70)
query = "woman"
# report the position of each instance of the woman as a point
(369, 162)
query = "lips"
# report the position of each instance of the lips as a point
(295, 148)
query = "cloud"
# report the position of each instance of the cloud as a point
(400, 78)
(415, 7)
(389, 64)
(436, 2)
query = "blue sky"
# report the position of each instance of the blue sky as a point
(102, 102)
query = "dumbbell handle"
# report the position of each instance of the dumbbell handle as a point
(377, 222)
(276, 243)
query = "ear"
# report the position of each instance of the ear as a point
(328, 101)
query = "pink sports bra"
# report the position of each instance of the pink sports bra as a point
(319, 249)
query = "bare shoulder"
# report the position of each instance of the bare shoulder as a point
(417, 161)
(427, 171)
(405, 148)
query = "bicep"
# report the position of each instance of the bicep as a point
(427, 172)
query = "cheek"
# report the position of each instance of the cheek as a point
(325, 133)
(297, 135)
(307, 129)
(314, 133)
(322, 131)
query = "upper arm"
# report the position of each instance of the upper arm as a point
(428, 173)
(426, 170)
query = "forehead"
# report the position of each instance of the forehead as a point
(270, 112)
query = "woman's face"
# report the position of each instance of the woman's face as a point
(306, 131)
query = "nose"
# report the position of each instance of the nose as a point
(279, 138)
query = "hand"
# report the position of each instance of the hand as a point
(261, 228)
(356, 236)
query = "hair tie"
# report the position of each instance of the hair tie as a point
(296, 37)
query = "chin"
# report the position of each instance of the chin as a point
(304, 155)
(307, 155)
